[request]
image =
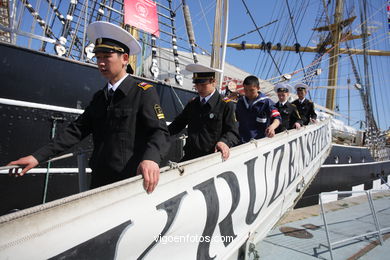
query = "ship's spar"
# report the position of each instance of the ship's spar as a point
(331, 45)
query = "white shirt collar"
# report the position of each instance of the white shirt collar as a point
(301, 101)
(116, 85)
(283, 102)
(207, 97)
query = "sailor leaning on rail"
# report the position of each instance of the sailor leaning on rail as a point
(256, 114)
(289, 112)
(125, 119)
(210, 118)
(305, 106)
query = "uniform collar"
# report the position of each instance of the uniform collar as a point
(284, 103)
(128, 83)
(207, 98)
(301, 101)
(116, 85)
(212, 99)
(260, 97)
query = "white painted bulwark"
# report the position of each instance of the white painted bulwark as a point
(332, 196)
(357, 188)
(376, 184)
(208, 211)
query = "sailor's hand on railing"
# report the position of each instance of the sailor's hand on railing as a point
(270, 131)
(297, 125)
(224, 149)
(151, 172)
(26, 163)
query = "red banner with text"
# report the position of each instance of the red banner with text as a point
(142, 14)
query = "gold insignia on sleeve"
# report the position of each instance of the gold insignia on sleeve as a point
(144, 85)
(299, 116)
(226, 99)
(159, 112)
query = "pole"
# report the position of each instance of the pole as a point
(215, 53)
(225, 32)
(334, 55)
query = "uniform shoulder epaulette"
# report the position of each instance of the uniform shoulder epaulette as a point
(293, 105)
(144, 85)
(227, 100)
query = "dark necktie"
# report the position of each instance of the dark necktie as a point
(110, 94)
(203, 101)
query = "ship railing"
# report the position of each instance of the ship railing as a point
(371, 196)
(81, 165)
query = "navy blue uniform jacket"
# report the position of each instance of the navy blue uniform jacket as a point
(207, 124)
(254, 118)
(306, 110)
(290, 116)
(125, 131)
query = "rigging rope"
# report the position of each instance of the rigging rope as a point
(261, 36)
(205, 19)
(342, 58)
(341, 41)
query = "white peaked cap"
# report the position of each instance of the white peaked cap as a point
(196, 67)
(283, 85)
(301, 85)
(102, 29)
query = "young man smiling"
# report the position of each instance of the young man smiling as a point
(125, 119)
(210, 118)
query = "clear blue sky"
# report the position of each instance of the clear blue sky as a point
(305, 13)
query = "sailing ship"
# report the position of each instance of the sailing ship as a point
(228, 188)
(359, 157)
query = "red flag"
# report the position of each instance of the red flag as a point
(142, 14)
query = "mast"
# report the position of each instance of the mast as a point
(220, 22)
(334, 56)
(190, 30)
(225, 34)
(370, 122)
(215, 53)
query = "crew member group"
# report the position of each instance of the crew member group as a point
(128, 127)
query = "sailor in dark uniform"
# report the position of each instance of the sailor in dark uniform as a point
(210, 118)
(305, 106)
(125, 119)
(288, 111)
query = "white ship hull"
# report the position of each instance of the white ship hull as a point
(210, 210)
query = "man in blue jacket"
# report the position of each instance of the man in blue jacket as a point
(256, 114)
